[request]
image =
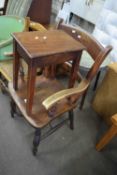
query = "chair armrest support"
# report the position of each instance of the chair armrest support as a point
(5, 42)
(51, 101)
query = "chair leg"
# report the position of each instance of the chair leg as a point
(107, 137)
(96, 81)
(36, 141)
(83, 100)
(13, 108)
(71, 119)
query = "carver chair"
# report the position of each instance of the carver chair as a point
(94, 49)
(55, 100)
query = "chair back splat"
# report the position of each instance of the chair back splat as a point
(97, 52)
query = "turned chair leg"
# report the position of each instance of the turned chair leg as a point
(107, 137)
(71, 119)
(13, 108)
(36, 141)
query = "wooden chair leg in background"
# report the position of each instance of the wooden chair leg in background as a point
(36, 141)
(13, 108)
(94, 88)
(83, 100)
(108, 135)
(71, 119)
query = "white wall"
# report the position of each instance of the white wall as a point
(1, 3)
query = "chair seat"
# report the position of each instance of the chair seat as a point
(44, 88)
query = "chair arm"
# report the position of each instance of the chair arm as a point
(67, 93)
(36, 26)
(6, 42)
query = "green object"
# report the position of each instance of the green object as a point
(9, 25)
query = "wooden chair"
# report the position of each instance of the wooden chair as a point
(112, 131)
(97, 52)
(54, 101)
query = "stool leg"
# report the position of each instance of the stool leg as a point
(71, 119)
(107, 137)
(36, 141)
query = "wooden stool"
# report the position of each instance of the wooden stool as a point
(42, 49)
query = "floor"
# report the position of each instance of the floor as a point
(65, 152)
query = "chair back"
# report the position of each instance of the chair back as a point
(97, 52)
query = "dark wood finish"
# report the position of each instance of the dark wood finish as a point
(40, 11)
(42, 99)
(40, 49)
(93, 47)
